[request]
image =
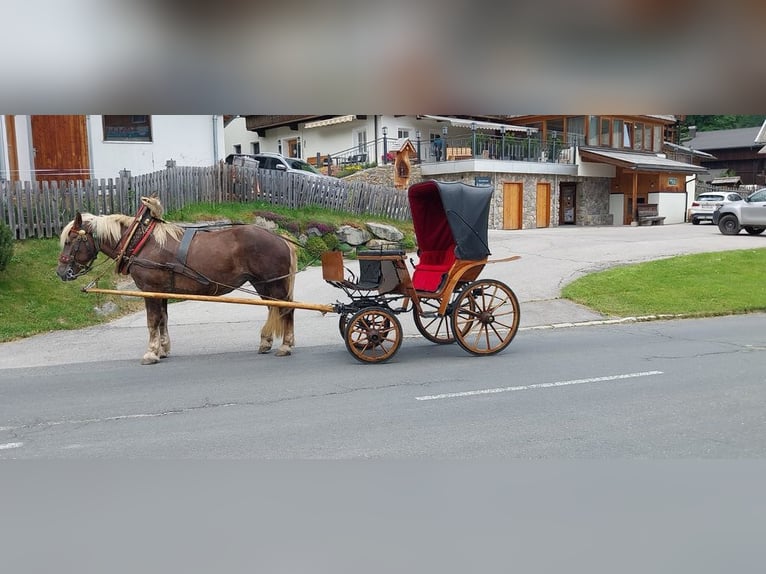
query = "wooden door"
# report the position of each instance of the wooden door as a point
(543, 204)
(60, 148)
(512, 205)
(13, 157)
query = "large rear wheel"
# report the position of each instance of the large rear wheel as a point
(373, 335)
(754, 229)
(485, 317)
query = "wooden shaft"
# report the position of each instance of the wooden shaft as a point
(215, 299)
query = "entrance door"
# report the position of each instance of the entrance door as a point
(567, 207)
(512, 205)
(13, 158)
(60, 147)
(294, 148)
(543, 204)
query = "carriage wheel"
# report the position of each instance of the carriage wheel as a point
(435, 328)
(373, 335)
(485, 317)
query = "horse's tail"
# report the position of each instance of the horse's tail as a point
(275, 321)
(293, 270)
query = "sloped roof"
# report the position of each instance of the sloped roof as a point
(725, 139)
(638, 161)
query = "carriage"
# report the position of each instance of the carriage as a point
(448, 301)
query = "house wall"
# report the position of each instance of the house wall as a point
(670, 205)
(236, 133)
(193, 140)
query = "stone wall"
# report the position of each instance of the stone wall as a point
(591, 200)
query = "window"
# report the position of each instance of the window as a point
(593, 130)
(127, 128)
(638, 136)
(361, 141)
(237, 148)
(404, 133)
(604, 139)
(617, 133)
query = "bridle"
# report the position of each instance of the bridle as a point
(81, 240)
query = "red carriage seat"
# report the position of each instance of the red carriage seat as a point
(432, 269)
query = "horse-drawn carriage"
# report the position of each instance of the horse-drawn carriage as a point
(448, 301)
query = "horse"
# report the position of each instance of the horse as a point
(164, 257)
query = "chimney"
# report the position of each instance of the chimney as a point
(692, 132)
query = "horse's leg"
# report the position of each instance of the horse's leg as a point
(164, 335)
(153, 322)
(267, 331)
(288, 333)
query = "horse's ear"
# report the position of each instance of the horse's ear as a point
(77, 221)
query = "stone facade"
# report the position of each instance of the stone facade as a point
(591, 198)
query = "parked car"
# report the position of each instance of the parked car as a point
(703, 207)
(749, 214)
(275, 161)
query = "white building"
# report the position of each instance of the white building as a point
(67, 147)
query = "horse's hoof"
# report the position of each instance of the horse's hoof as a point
(150, 359)
(283, 353)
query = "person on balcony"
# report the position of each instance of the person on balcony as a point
(438, 144)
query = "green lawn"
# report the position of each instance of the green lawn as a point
(699, 285)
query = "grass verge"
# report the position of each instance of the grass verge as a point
(705, 284)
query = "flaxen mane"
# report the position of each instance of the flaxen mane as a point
(110, 227)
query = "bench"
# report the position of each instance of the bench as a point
(647, 215)
(459, 153)
(355, 159)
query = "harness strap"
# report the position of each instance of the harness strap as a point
(183, 249)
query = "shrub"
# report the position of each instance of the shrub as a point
(315, 246)
(6, 245)
(331, 241)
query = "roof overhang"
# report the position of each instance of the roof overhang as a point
(479, 125)
(639, 162)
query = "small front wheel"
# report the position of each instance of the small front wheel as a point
(373, 335)
(728, 224)
(485, 317)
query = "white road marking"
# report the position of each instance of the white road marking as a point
(537, 386)
(8, 445)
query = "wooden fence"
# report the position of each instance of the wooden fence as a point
(42, 209)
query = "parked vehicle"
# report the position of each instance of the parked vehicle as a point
(749, 214)
(275, 161)
(703, 207)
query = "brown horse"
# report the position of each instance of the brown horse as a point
(163, 257)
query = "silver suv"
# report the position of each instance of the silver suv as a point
(749, 215)
(705, 204)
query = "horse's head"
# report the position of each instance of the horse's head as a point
(79, 250)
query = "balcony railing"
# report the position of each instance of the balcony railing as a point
(530, 148)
